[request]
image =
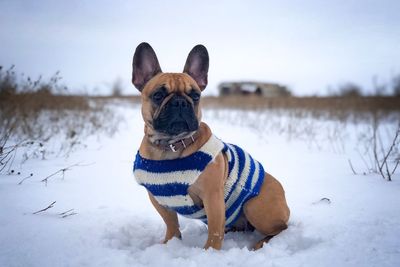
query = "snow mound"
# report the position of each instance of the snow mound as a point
(116, 225)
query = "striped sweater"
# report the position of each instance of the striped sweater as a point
(169, 180)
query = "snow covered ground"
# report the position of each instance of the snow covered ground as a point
(116, 225)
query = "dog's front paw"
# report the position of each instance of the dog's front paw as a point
(171, 234)
(212, 245)
(214, 242)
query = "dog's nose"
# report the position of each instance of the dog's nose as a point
(179, 102)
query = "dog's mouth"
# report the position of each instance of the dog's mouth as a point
(177, 117)
(178, 127)
(182, 126)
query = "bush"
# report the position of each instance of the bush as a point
(396, 85)
(35, 112)
(350, 90)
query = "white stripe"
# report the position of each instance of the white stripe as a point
(253, 183)
(185, 177)
(233, 215)
(255, 175)
(233, 175)
(175, 201)
(242, 181)
(212, 147)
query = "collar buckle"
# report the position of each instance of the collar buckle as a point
(173, 147)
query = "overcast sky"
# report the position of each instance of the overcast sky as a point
(307, 45)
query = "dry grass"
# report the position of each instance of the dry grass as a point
(35, 113)
(373, 125)
(335, 107)
(339, 107)
(321, 122)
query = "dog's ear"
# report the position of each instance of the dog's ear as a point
(197, 65)
(145, 65)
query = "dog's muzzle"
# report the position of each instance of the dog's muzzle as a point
(176, 117)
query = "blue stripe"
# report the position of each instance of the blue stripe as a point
(199, 161)
(186, 210)
(231, 163)
(230, 150)
(244, 192)
(241, 161)
(167, 190)
(257, 186)
(250, 178)
(225, 148)
(196, 161)
(238, 204)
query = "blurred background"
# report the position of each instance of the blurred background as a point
(309, 88)
(310, 47)
(305, 70)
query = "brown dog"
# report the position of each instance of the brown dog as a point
(186, 169)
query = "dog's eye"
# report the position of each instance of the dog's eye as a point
(195, 96)
(159, 96)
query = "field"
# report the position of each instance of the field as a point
(73, 201)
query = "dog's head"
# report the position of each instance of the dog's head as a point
(170, 101)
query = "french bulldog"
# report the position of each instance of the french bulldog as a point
(186, 169)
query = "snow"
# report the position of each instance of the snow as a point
(116, 225)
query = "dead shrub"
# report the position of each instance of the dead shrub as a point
(35, 112)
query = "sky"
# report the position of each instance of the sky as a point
(310, 46)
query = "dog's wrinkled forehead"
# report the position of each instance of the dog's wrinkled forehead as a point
(173, 82)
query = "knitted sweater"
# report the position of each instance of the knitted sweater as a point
(169, 180)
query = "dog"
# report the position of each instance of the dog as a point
(189, 171)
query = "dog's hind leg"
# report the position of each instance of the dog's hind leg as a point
(268, 212)
(266, 239)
